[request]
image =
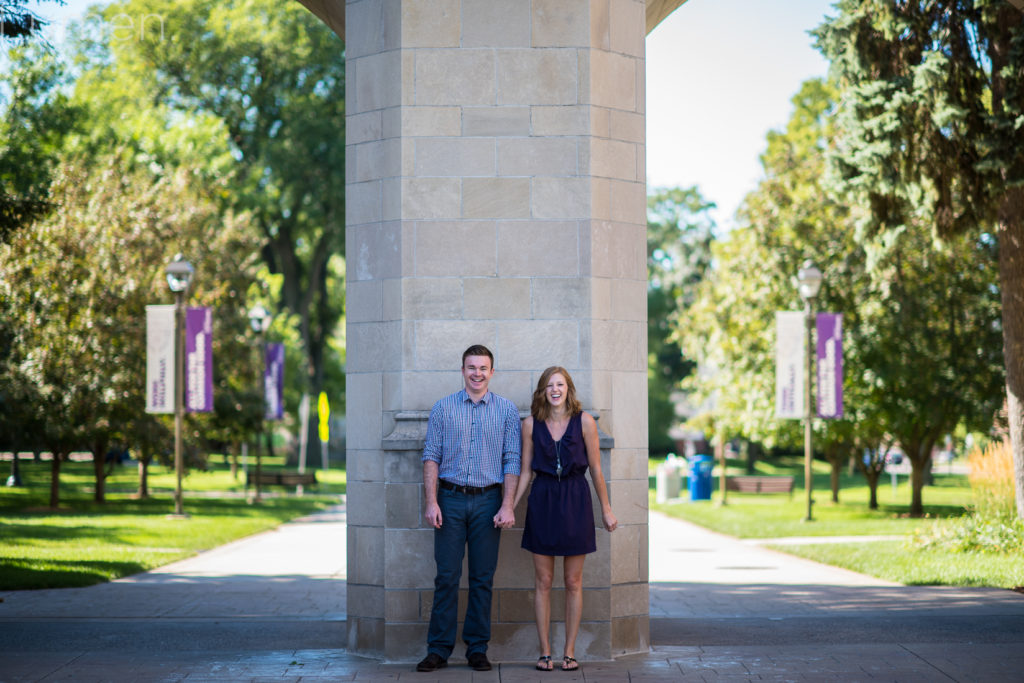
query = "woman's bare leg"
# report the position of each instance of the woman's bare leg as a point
(543, 571)
(573, 568)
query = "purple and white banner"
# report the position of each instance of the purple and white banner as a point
(273, 381)
(199, 360)
(160, 359)
(830, 365)
(789, 364)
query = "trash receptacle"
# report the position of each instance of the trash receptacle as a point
(668, 479)
(700, 477)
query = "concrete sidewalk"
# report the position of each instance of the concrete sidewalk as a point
(272, 607)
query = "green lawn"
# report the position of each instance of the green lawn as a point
(85, 542)
(777, 516)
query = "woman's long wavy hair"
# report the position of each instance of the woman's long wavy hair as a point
(540, 408)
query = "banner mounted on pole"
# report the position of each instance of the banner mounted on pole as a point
(789, 364)
(830, 365)
(160, 359)
(199, 360)
(273, 381)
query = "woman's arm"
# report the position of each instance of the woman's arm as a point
(592, 442)
(525, 469)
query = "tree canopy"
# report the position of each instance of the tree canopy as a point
(921, 328)
(77, 284)
(680, 231)
(274, 76)
(929, 134)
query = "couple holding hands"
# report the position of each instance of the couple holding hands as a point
(474, 454)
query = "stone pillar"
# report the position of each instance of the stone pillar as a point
(495, 195)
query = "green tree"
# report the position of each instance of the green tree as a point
(913, 315)
(37, 117)
(680, 231)
(930, 133)
(731, 323)
(275, 77)
(78, 282)
(930, 323)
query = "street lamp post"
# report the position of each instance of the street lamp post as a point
(809, 279)
(179, 277)
(259, 319)
(15, 478)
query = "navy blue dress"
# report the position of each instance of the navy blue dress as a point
(559, 512)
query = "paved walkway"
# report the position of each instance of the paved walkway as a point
(272, 608)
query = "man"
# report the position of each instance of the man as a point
(472, 448)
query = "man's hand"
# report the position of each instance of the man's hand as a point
(506, 517)
(433, 515)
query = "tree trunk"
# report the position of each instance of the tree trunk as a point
(753, 453)
(144, 459)
(916, 485)
(55, 480)
(871, 473)
(1011, 281)
(837, 465)
(99, 468)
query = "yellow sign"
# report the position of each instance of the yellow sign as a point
(324, 410)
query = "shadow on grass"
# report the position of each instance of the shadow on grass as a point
(282, 508)
(28, 534)
(17, 574)
(938, 511)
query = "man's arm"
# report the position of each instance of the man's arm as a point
(506, 516)
(511, 465)
(431, 510)
(433, 451)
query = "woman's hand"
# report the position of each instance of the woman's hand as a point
(610, 523)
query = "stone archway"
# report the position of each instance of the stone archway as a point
(332, 12)
(496, 194)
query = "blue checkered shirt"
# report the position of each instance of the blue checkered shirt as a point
(474, 444)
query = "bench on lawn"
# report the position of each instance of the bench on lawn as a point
(749, 483)
(282, 478)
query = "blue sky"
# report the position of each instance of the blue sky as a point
(720, 75)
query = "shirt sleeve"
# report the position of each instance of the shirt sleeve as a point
(511, 457)
(433, 446)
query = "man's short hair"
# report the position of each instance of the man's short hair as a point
(477, 350)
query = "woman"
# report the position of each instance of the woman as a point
(560, 442)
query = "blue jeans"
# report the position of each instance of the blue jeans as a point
(466, 520)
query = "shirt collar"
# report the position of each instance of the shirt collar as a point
(464, 396)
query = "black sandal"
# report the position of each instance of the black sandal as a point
(569, 663)
(546, 661)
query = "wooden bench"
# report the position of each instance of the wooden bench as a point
(282, 478)
(749, 483)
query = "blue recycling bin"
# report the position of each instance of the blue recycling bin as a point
(700, 477)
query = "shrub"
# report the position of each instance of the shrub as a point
(991, 477)
(993, 525)
(973, 533)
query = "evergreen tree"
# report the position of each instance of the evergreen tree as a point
(933, 96)
(18, 22)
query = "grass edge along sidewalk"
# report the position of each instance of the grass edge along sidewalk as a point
(915, 560)
(84, 542)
